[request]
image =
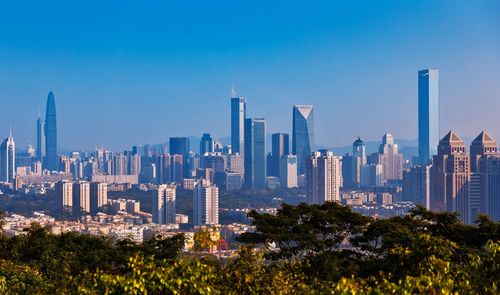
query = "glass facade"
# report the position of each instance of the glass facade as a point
(303, 135)
(428, 114)
(238, 115)
(51, 161)
(255, 153)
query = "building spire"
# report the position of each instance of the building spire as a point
(10, 131)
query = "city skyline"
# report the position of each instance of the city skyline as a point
(106, 75)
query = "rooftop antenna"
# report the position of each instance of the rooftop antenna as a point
(10, 131)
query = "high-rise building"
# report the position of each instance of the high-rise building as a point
(163, 168)
(8, 159)
(134, 164)
(428, 114)
(288, 171)
(51, 134)
(205, 203)
(177, 168)
(238, 116)
(371, 175)
(280, 148)
(323, 178)
(255, 153)
(206, 144)
(64, 195)
(179, 146)
(485, 177)
(81, 197)
(164, 201)
(303, 134)
(235, 163)
(450, 177)
(358, 161)
(120, 164)
(98, 196)
(417, 185)
(390, 159)
(40, 139)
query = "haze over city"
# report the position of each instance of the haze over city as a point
(125, 74)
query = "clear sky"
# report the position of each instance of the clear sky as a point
(133, 72)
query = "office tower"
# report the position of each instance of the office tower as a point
(238, 116)
(347, 171)
(98, 196)
(280, 148)
(77, 169)
(323, 178)
(179, 146)
(371, 175)
(8, 159)
(40, 139)
(218, 164)
(81, 197)
(206, 144)
(205, 204)
(134, 164)
(119, 164)
(417, 185)
(177, 168)
(163, 168)
(302, 134)
(255, 153)
(485, 177)
(288, 171)
(450, 177)
(50, 134)
(234, 181)
(428, 114)
(390, 159)
(64, 195)
(164, 201)
(358, 161)
(235, 163)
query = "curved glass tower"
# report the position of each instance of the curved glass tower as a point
(303, 135)
(50, 134)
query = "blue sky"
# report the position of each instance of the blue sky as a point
(132, 72)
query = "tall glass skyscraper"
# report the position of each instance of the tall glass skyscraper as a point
(179, 146)
(255, 153)
(238, 115)
(51, 162)
(8, 159)
(206, 144)
(40, 139)
(428, 114)
(303, 135)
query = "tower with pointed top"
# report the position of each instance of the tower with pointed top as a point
(450, 178)
(302, 135)
(50, 160)
(8, 159)
(485, 177)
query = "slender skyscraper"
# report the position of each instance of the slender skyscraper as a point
(428, 114)
(8, 159)
(40, 139)
(255, 153)
(51, 162)
(206, 144)
(280, 148)
(238, 115)
(303, 135)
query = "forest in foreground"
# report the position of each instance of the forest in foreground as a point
(303, 249)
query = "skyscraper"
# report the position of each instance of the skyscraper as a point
(280, 148)
(485, 177)
(428, 114)
(450, 177)
(358, 161)
(255, 153)
(416, 185)
(238, 116)
(179, 146)
(64, 195)
(81, 197)
(288, 171)
(8, 159)
(206, 144)
(164, 204)
(40, 139)
(98, 196)
(205, 203)
(51, 160)
(302, 134)
(390, 159)
(323, 178)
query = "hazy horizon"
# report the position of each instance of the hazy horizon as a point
(128, 74)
